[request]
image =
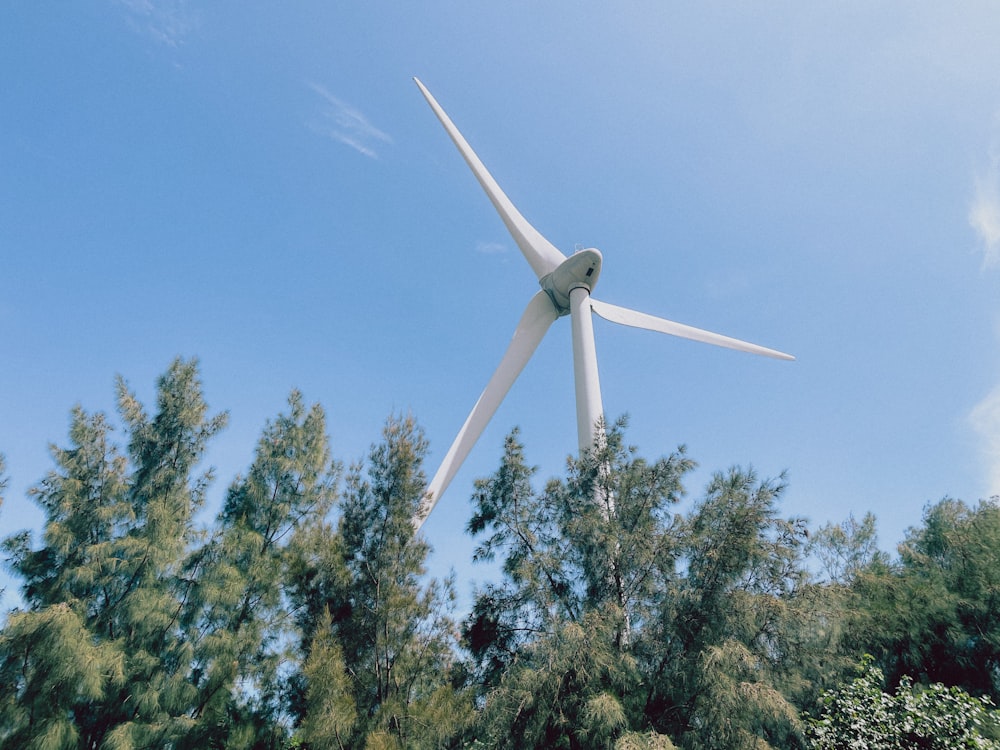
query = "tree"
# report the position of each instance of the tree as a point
(304, 616)
(583, 562)
(330, 713)
(151, 707)
(107, 589)
(50, 674)
(861, 715)
(51, 670)
(619, 623)
(86, 509)
(729, 633)
(935, 613)
(370, 611)
(237, 617)
(846, 549)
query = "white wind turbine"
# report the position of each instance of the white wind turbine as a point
(566, 286)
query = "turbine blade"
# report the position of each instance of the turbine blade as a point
(628, 317)
(538, 316)
(541, 254)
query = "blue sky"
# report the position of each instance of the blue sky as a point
(262, 186)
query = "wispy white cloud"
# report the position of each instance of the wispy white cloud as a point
(343, 123)
(984, 217)
(491, 248)
(985, 420)
(168, 22)
(984, 214)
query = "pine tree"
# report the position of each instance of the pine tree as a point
(51, 671)
(621, 538)
(583, 561)
(330, 713)
(86, 508)
(54, 666)
(725, 625)
(100, 644)
(846, 549)
(303, 617)
(152, 706)
(237, 616)
(396, 642)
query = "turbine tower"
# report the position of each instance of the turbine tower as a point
(566, 287)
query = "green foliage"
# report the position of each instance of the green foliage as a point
(860, 715)
(48, 662)
(730, 633)
(847, 549)
(619, 622)
(304, 617)
(583, 563)
(237, 616)
(935, 613)
(107, 582)
(330, 711)
(564, 691)
(87, 511)
(137, 633)
(372, 619)
(644, 741)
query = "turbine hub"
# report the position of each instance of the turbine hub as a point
(579, 270)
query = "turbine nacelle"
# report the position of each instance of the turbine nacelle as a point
(581, 269)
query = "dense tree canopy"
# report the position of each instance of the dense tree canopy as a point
(861, 715)
(625, 613)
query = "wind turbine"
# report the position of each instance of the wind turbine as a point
(566, 286)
